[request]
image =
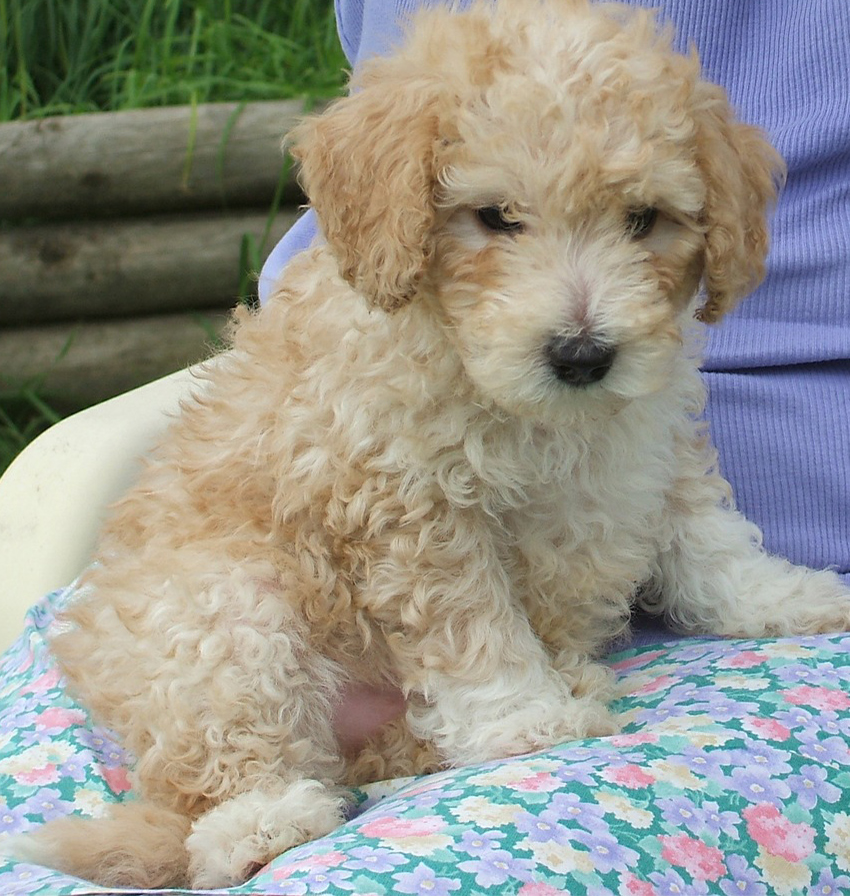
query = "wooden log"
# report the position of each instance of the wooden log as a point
(78, 365)
(128, 267)
(117, 163)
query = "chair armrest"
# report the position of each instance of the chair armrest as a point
(55, 494)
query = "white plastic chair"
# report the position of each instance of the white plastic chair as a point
(54, 496)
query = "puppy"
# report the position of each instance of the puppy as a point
(457, 446)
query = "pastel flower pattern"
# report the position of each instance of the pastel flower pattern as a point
(731, 776)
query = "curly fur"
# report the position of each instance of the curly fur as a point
(385, 482)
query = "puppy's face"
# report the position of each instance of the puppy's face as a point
(566, 257)
(556, 182)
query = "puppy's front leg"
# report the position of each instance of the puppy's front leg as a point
(480, 684)
(715, 578)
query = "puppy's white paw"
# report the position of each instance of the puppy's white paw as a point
(823, 604)
(240, 836)
(586, 680)
(535, 726)
(572, 719)
(793, 600)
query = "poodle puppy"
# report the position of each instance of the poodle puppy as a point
(451, 453)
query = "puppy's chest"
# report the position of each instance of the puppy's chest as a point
(593, 531)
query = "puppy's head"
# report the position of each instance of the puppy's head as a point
(556, 181)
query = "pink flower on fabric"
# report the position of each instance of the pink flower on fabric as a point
(633, 740)
(58, 718)
(117, 779)
(278, 872)
(634, 887)
(819, 697)
(539, 890)
(324, 860)
(541, 782)
(44, 683)
(746, 659)
(780, 837)
(700, 861)
(657, 684)
(768, 728)
(631, 776)
(643, 659)
(46, 774)
(388, 826)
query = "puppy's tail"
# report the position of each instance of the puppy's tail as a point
(136, 844)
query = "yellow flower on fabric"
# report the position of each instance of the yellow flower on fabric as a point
(631, 684)
(90, 802)
(838, 839)
(36, 757)
(502, 775)
(477, 809)
(783, 877)
(624, 810)
(677, 774)
(559, 857)
(784, 649)
(715, 738)
(739, 682)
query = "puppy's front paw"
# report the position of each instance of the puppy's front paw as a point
(823, 605)
(571, 719)
(791, 600)
(535, 726)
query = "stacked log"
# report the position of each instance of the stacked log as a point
(122, 239)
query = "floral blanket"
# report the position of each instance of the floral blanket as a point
(731, 776)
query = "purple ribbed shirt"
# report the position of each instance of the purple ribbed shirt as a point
(778, 369)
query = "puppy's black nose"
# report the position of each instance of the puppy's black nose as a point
(579, 361)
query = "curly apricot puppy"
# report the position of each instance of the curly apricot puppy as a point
(450, 454)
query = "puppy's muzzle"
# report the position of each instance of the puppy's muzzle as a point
(579, 361)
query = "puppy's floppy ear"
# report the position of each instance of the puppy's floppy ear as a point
(742, 173)
(367, 166)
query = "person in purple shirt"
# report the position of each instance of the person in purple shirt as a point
(778, 368)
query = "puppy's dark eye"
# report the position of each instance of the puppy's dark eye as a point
(493, 217)
(640, 221)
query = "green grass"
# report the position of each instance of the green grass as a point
(62, 57)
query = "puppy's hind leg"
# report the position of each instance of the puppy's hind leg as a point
(240, 835)
(229, 714)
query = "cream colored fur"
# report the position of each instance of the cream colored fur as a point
(385, 482)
